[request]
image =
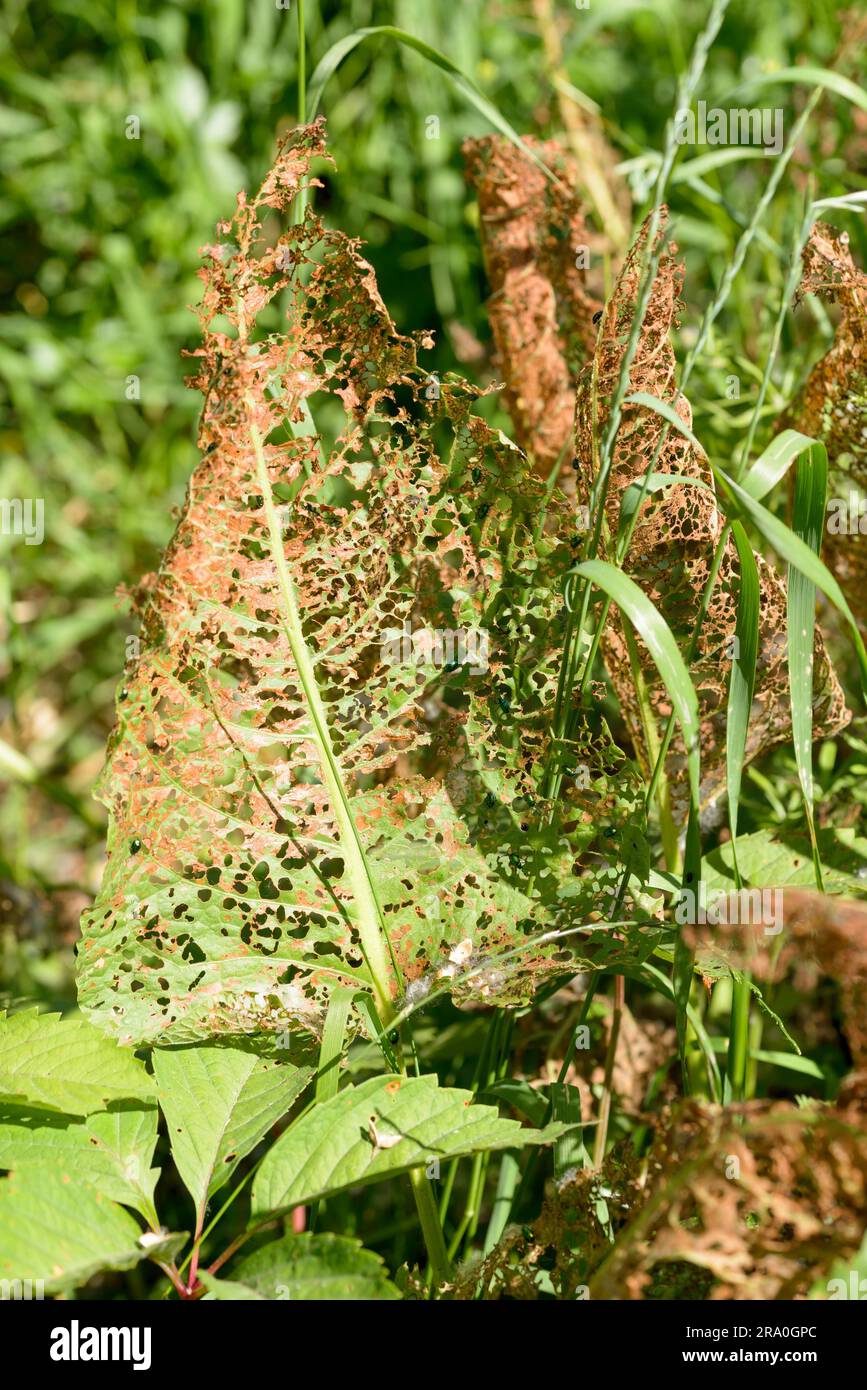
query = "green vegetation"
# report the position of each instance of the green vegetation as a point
(406, 974)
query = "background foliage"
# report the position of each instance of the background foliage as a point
(99, 238)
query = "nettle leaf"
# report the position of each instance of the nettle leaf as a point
(328, 760)
(766, 861)
(111, 1150)
(228, 1290)
(386, 1125)
(65, 1065)
(218, 1103)
(305, 1268)
(54, 1229)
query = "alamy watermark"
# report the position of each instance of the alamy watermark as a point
(23, 517)
(77, 1343)
(758, 907)
(450, 647)
(854, 1287)
(21, 1290)
(739, 125)
(847, 516)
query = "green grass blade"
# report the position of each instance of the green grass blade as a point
(375, 944)
(804, 1066)
(742, 681)
(774, 463)
(810, 76)
(657, 637)
(333, 1041)
(798, 554)
(683, 969)
(651, 975)
(811, 486)
(331, 61)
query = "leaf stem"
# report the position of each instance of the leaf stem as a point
(430, 1225)
(610, 1057)
(739, 1040)
(371, 928)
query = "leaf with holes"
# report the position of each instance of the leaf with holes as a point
(676, 535)
(326, 771)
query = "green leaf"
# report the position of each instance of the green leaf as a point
(743, 676)
(331, 60)
(304, 1268)
(569, 1149)
(766, 860)
(331, 1147)
(798, 554)
(526, 1099)
(227, 1290)
(66, 1065)
(333, 1042)
(55, 1230)
(773, 464)
(219, 1102)
(811, 76)
(808, 516)
(111, 1150)
(789, 1062)
(657, 637)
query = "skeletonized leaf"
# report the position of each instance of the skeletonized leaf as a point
(334, 1145)
(674, 540)
(833, 407)
(541, 308)
(66, 1065)
(54, 1229)
(111, 1150)
(218, 1103)
(328, 762)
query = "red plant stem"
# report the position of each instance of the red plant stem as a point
(171, 1273)
(236, 1245)
(197, 1240)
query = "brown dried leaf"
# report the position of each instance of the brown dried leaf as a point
(673, 544)
(753, 1202)
(763, 1198)
(541, 307)
(829, 933)
(833, 406)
